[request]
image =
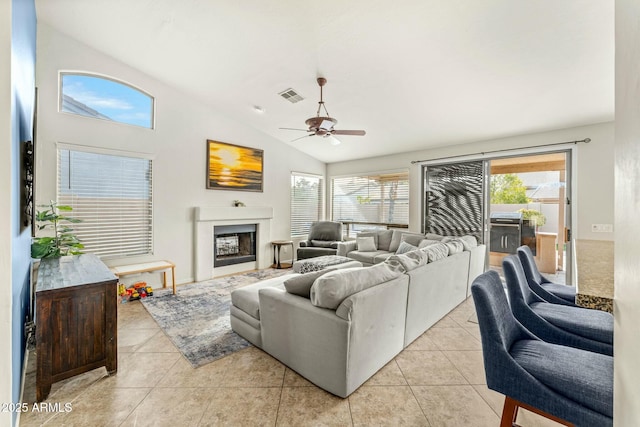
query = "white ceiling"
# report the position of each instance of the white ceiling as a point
(413, 73)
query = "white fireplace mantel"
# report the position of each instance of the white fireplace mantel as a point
(205, 218)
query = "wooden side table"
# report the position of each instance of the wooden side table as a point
(277, 245)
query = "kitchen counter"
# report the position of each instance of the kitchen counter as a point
(594, 273)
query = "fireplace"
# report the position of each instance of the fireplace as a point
(234, 244)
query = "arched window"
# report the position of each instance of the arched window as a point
(104, 98)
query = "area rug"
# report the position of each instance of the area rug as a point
(196, 319)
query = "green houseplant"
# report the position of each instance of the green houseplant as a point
(60, 241)
(536, 218)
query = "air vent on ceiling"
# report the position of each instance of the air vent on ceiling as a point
(291, 95)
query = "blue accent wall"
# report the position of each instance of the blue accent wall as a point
(23, 61)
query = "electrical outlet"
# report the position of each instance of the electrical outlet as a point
(602, 228)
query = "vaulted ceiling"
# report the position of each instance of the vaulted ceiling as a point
(414, 74)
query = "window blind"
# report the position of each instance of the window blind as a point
(306, 202)
(112, 195)
(381, 198)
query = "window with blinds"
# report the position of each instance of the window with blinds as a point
(112, 195)
(374, 198)
(306, 202)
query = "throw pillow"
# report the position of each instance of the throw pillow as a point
(331, 289)
(301, 285)
(427, 242)
(455, 246)
(366, 244)
(384, 239)
(405, 247)
(398, 237)
(436, 252)
(369, 234)
(433, 236)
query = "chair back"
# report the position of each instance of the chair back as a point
(520, 294)
(499, 329)
(529, 266)
(325, 230)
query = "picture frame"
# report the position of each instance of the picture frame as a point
(234, 167)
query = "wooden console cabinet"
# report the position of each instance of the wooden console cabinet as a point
(76, 319)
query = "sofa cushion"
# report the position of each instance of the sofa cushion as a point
(301, 285)
(427, 242)
(405, 247)
(382, 257)
(396, 238)
(433, 236)
(409, 260)
(469, 242)
(384, 239)
(246, 298)
(436, 251)
(324, 244)
(455, 245)
(331, 289)
(366, 244)
(366, 257)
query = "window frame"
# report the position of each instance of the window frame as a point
(62, 73)
(60, 146)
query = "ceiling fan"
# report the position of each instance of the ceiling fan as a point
(323, 125)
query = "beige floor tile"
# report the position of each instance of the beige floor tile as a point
(141, 369)
(130, 340)
(306, 406)
(101, 405)
(132, 315)
(252, 367)
(159, 343)
(494, 399)
(453, 339)
(474, 330)
(428, 368)
(455, 406)
(390, 374)
(469, 363)
(446, 322)
(170, 407)
(229, 407)
(293, 379)
(530, 419)
(182, 374)
(423, 343)
(386, 405)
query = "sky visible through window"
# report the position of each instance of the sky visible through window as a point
(102, 98)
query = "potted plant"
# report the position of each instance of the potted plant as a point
(60, 241)
(535, 218)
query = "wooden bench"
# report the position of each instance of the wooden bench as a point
(147, 267)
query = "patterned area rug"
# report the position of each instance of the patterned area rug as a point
(196, 320)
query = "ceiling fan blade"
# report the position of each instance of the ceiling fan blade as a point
(304, 130)
(306, 136)
(349, 132)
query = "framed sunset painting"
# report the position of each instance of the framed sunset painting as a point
(233, 167)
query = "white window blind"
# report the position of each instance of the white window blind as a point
(374, 198)
(306, 202)
(112, 195)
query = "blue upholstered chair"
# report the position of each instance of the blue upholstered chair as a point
(561, 383)
(545, 288)
(559, 324)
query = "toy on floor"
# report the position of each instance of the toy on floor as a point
(134, 292)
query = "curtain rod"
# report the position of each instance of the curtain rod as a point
(482, 153)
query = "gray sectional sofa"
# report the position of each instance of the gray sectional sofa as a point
(338, 328)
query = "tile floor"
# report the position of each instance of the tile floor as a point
(437, 381)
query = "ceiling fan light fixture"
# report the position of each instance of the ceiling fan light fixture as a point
(334, 141)
(326, 125)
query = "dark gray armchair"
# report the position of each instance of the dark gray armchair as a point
(322, 240)
(560, 383)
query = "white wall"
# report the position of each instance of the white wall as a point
(183, 125)
(593, 174)
(627, 199)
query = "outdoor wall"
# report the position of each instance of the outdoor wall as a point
(627, 176)
(593, 172)
(183, 124)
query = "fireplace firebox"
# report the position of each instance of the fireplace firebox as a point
(234, 244)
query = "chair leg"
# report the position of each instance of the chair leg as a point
(510, 412)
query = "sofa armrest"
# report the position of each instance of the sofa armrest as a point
(304, 243)
(347, 246)
(330, 351)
